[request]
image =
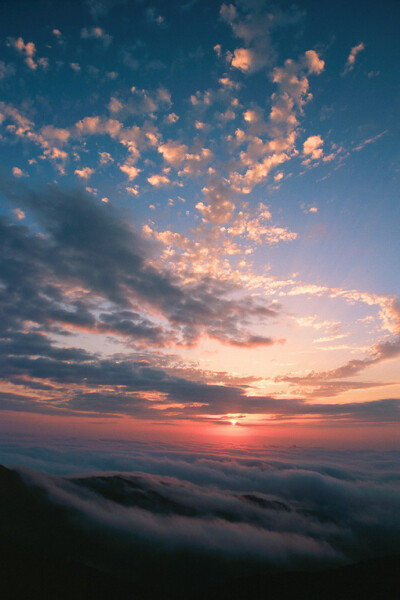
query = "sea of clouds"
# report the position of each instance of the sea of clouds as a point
(291, 507)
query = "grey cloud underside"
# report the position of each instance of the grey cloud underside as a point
(79, 266)
(82, 385)
(77, 381)
(87, 245)
(289, 508)
(78, 255)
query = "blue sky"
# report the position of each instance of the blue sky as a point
(200, 214)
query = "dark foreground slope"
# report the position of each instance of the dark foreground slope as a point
(29, 574)
(48, 551)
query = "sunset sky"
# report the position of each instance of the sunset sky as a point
(199, 213)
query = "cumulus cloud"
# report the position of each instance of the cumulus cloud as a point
(312, 148)
(158, 180)
(84, 173)
(244, 59)
(173, 152)
(130, 171)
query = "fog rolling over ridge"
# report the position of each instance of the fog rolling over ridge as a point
(193, 521)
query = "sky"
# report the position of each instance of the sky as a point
(199, 218)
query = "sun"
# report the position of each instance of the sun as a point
(233, 422)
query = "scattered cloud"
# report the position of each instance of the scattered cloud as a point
(253, 25)
(351, 59)
(19, 214)
(84, 173)
(159, 180)
(153, 17)
(171, 118)
(17, 172)
(96, 33)
(6, 70)
(28, 50)
(368, 141)
(312, 147)
(130, 172)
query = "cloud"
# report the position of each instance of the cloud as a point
(6, 70)
(19, 213)
(351, 59)
(173, 152)
(368, 141)
(140, 102)
(98, 126)
(55, 134)
(253, 22)
(159, 180)
(253, 227)
(28, 49)
(17, 172)
(293, 508)
(314, 63)
(326, 382)
(103, 258)
(179, 156)
(48, 138)
(171, 118)
(219, 207)
(133, 190)
(280, 130)
(84, 173)
(245, 60)
(105, 158)
(312, 147)
(130, 171)
(96, 33)
(100, 8)
(153, 17)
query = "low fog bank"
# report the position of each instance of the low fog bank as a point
(276, 508)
